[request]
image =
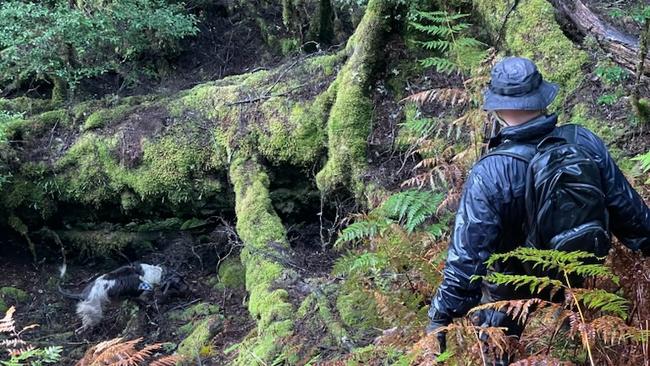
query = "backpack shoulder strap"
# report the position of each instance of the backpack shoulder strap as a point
(523, 152)
(526, 152)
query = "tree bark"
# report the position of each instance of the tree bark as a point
(624, 48)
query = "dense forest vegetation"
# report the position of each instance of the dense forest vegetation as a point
(299, 164)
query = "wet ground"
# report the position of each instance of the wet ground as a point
(55, 314)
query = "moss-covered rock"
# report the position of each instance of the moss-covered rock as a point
(196, 345)
(532, 32)
(26, 105)
(232, 273)
(107, 116)
(106, 240)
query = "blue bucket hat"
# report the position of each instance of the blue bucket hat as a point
(517, 84)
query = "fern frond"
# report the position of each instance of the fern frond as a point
(593, 270)
(444, 96)
(613, 330)
(419, 127)
(427, 163)
(467, 42)
(597, 299)
(7, 324)
(420, 181)
(441, 64)
(117, 352)
(534, 284)
(439, 17)
(644, 161)
(412, 207)
(368, 262)
(569, 262)
(517, 309)
(436, 45)
(433, 30)
(362, 230)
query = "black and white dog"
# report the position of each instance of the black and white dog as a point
(131, 281)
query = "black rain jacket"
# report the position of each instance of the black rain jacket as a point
(492, 214)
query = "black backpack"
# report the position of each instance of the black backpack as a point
(565, 203)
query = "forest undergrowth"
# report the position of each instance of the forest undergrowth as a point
(342, 238)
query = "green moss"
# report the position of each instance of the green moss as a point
(263, 235)
(200, 337)
(610, 133)
(208, 100)
(15, 294)
(366, 355)
(358, 311)
(170, 224)
(172, 170)
(36, 126)
(102, 242)
(106, 117)
(289, 45)
(326, 64)
(349, 121)
(29, 106)
(31, 188)
(532, 32)
(194, 312)
(300, 139)
(232, 273)
(88, 172)
(167, 169)
(644, 110)
(3, 307)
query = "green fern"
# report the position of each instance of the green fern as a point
(644, 161)
(412, 207)
(535, 284)
(418, 127)
(362, 230)
(597, 299)
(360, 264)
(566, 264)
(449, 42)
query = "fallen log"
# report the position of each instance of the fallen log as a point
(623, 48)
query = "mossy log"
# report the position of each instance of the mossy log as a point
(623, 48)
(264, 256)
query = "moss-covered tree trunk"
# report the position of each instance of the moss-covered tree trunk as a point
(265, 256)
(351, 116)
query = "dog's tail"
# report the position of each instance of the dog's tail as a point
(70, 295)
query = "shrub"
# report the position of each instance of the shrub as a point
(57, 42)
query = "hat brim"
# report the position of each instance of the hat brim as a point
(538, 99)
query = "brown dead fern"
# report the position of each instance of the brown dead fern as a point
(446, 97)
(117, 352)
(19, 351)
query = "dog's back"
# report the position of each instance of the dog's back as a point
(122, 282)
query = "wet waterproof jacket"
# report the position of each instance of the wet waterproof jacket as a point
(492, 215)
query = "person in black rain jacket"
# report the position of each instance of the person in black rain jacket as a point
(492, 213)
